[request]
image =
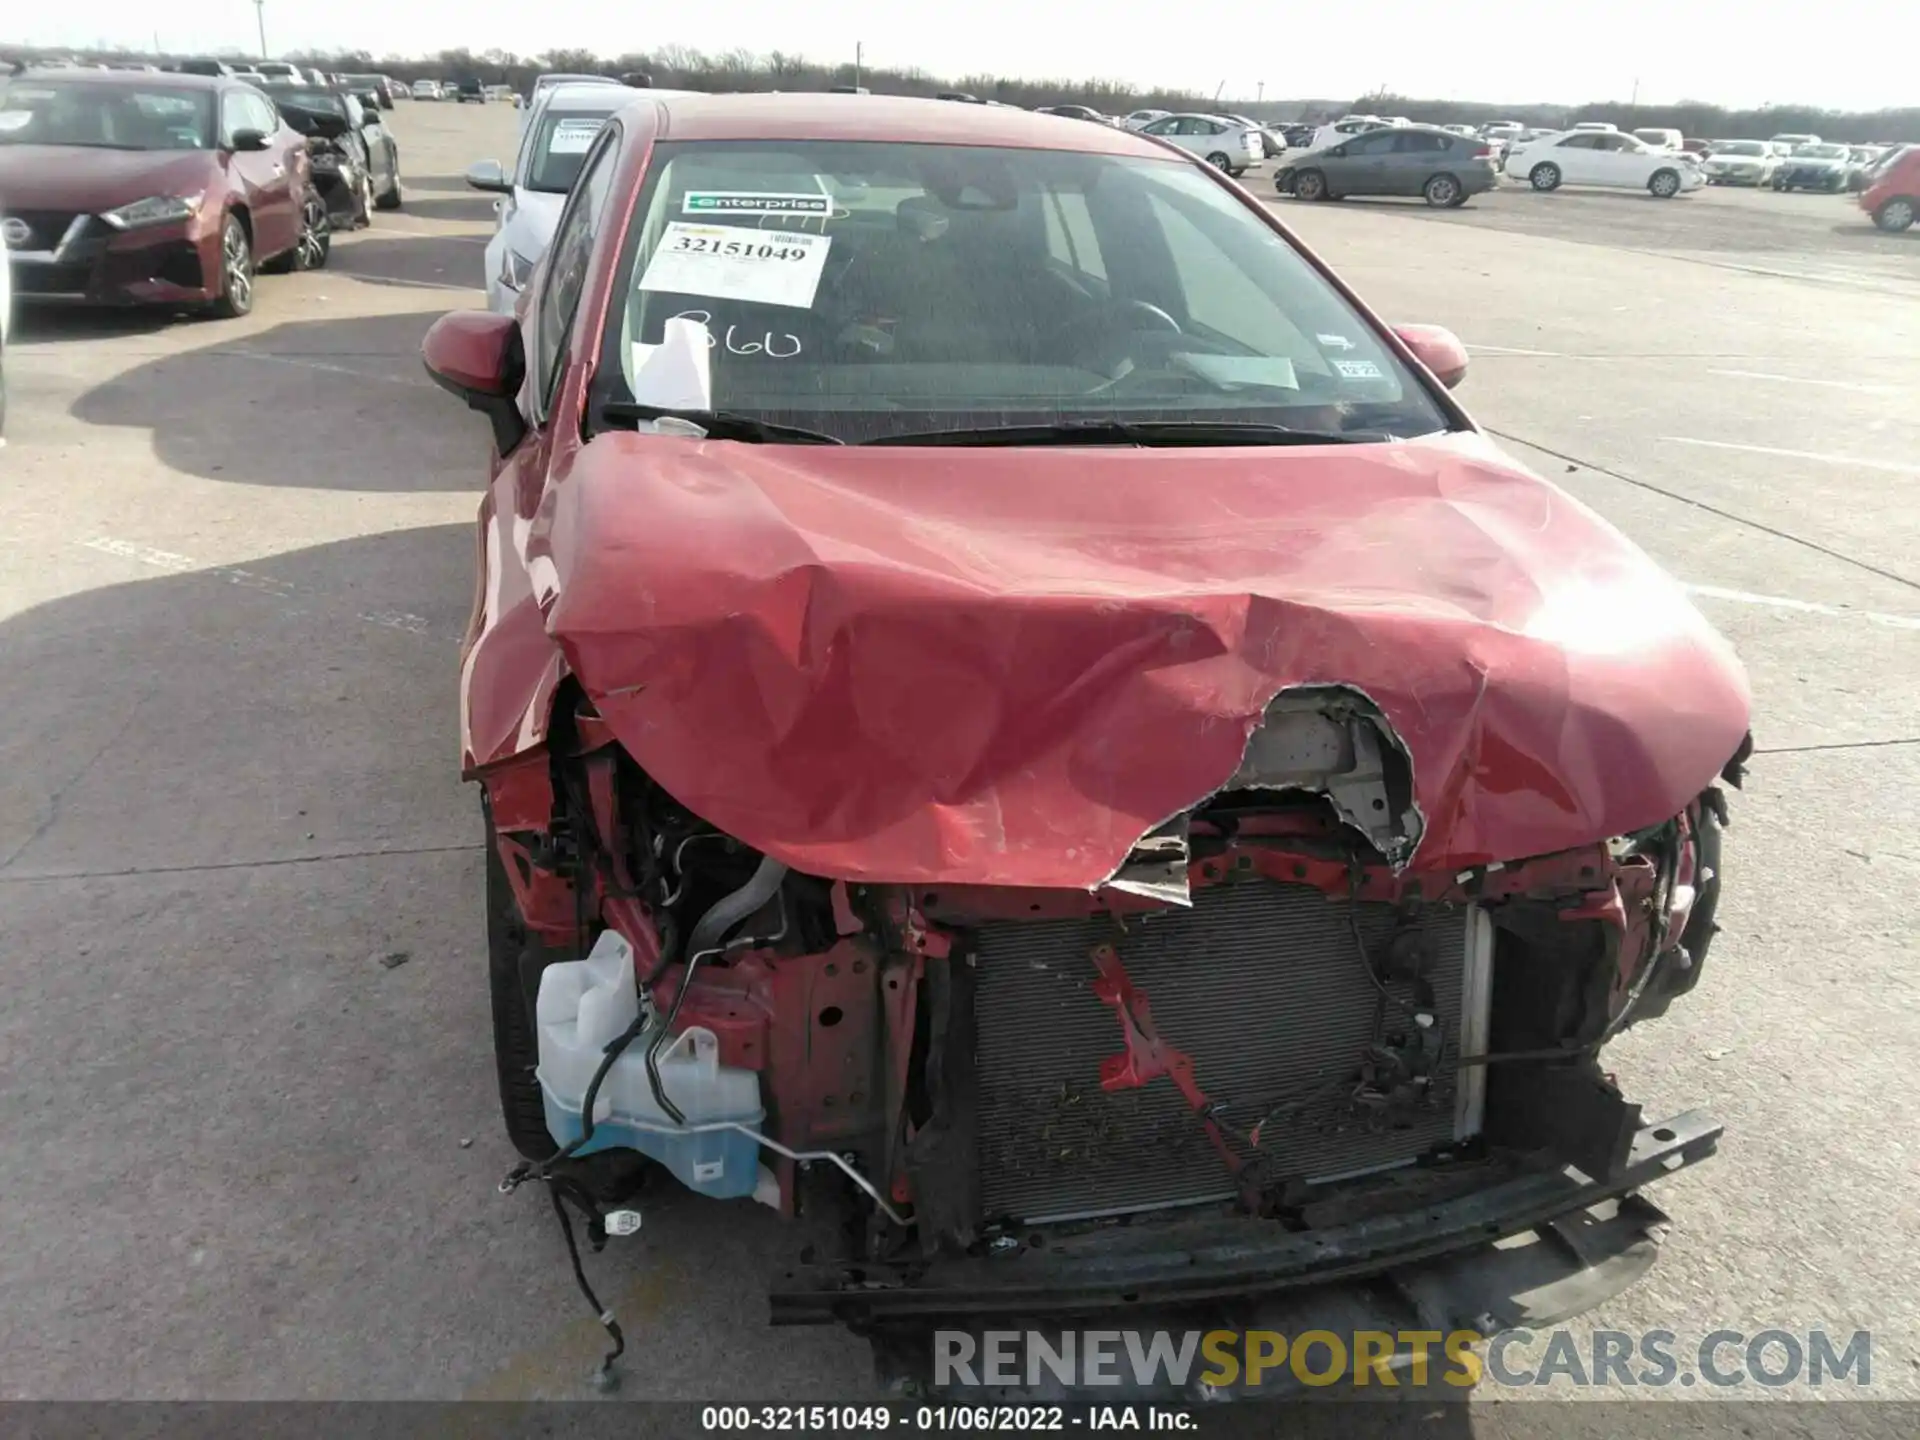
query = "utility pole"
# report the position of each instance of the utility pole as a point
(1260, 94)
(859, 54)
(260, 17)
(1634, 103)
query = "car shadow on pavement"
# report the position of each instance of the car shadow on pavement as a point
(470, 205)
(433, 261)
(324, 404)
(32, 322)
(441, 184)
(1864, 234)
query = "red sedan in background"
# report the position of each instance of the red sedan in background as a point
(150, 189)
(1007, 702)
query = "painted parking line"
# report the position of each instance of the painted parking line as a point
(1804, 380)
(1805, 607)
(1515, 350)
(1852, 462)
(253, 580)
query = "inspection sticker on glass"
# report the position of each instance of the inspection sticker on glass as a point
(1358, 370)
(765, 267)
(752, 202)
(573, 137)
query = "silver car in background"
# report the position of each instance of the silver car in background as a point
(556, 132)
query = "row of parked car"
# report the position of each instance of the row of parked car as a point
(1448, 164)
(175, 189)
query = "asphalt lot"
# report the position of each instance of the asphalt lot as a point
(243, 1157)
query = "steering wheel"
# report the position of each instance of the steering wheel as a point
(1121, 316)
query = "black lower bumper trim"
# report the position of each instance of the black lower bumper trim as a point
(1133, 1268)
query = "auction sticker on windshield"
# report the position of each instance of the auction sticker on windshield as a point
(765, 267)
(747, 202)
(572, 137)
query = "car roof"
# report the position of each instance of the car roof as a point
(131, 79)
(898, 118)
(575, 95)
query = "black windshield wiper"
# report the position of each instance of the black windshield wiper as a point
(719, 424)
(1134, 432)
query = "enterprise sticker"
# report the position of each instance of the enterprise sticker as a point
(1358, 370)
(753, 202)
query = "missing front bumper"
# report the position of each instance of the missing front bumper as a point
(1126, 1272)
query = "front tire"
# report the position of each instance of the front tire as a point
(1664, 184)
(1895, 215)
(1310, 185)
(236, 273)
(315, 245)
(514, 965)
(1443, 192)
(1544, 177)
(390, 199)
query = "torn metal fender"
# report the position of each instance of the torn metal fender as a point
(1004, 667)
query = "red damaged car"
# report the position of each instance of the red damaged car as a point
(1011, 709)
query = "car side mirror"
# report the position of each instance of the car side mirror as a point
(479, 357)
(250, 140)
(1438, 349)
(487, 175)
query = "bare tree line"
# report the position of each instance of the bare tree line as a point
(739, 69)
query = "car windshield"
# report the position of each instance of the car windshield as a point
(309, 97)
(108, 117)
(872, 290)
(1822, 152)
(559, 146)
(1740, 147)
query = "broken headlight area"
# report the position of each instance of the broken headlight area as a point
(1272, 1054)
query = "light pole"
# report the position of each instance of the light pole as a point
(859, 50)
(1260, 94)
(260, 17)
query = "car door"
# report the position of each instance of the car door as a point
(1362, 165)
(1575, 157)
(1620, 160)
(262, 180)
(1417, 154)
(1170, 129)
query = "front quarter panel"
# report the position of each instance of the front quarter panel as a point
(512, 666)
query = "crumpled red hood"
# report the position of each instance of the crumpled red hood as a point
(1002, 667)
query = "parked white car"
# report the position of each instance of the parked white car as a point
(1139, 119)
(1602, 157)
(1785, 145)
(1606, 126)
(1656, 139)
(1221, 142)
(426, 89)
(1335, 131)
(1742, 162)
(553, 146)
(544, 84)
(280, 71)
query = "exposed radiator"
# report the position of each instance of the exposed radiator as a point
(1261, 985)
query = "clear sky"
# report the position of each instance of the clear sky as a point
(1730, 52)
